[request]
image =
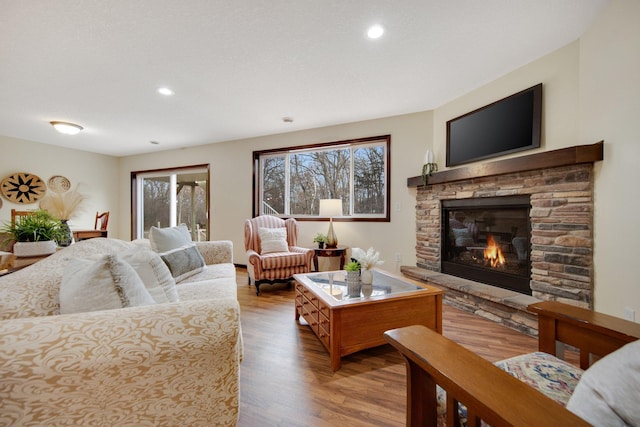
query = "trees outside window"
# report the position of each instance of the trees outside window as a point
(168, 197)
(290, 182)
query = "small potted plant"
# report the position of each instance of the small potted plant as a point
(35, 234)
(320, 239)
(353, 278)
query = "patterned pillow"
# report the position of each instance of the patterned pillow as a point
(184, 261)
(154, 274)
(166, 239)
(104, 284)
(273, 240)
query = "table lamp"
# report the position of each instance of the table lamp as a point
(331, 208)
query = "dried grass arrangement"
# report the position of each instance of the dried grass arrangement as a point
(62, 205)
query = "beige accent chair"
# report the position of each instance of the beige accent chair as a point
(277, 266)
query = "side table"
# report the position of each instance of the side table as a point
(20, 263)
(340, 251)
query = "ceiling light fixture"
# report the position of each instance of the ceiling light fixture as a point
(287, 119)
(66, 127)
(375, 32)
(165, 91)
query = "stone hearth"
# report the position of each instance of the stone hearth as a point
(560, 184)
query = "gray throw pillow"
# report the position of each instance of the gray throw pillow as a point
(108, 283)
(183, 262)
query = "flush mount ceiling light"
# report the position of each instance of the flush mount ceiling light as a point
(165, 91)
(375, 32)
(66, 127)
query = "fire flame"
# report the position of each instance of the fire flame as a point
(492, 253)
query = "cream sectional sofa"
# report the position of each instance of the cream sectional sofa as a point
(171, 364)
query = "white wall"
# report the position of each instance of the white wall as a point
(557, 72)
(231, 184)
(591, 92)
(95, 174)
(610, 111)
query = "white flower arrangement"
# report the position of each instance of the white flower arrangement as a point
(368, 259)
(62, 205)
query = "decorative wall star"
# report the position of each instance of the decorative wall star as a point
(23, 188)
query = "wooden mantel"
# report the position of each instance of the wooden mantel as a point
(547, 159)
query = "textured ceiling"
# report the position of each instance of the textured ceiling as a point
(239, 67)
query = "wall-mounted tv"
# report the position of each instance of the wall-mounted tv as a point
(506, 126)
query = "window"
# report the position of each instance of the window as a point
(168, 197)
(290, 182)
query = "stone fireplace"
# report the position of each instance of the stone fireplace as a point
(550, 251)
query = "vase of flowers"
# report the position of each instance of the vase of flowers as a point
(63, 206)
(367, 261)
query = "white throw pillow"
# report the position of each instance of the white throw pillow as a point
(105, 284)
(183, 262)
(154, 274)
(273, 240)
(166, 239)
(607, 393)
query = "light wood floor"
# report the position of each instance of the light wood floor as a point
(286, 379)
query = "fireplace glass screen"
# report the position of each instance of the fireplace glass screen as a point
(488, 240)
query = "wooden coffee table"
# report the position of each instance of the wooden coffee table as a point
(347, 325)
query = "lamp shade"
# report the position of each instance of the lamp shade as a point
(330, 207)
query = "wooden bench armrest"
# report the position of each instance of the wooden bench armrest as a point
(591, 332)
(488, 392)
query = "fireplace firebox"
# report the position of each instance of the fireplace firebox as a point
(488, 240)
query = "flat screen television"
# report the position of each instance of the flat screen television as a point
(506, 126)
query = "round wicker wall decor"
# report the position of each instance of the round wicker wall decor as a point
(23, 188)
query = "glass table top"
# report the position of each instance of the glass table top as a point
(334, 284)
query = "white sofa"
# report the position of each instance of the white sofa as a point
(171, 364)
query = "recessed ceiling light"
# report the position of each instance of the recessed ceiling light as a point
(154, 142)
(66, 127)
(375, 32)
(287, 119)
(165, 91)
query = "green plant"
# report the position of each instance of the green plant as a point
(352, 266)
(38, 227)
(320, 238)
(427, 170)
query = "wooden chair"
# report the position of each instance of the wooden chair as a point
(489, 393)
(102, 219)
(17, 214)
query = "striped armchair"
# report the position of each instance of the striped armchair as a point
(277, 264)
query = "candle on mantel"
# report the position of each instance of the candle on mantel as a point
(428, 157)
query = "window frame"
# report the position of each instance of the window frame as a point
(384, 139)
(135, 192)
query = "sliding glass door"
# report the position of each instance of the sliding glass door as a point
(168, 197)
